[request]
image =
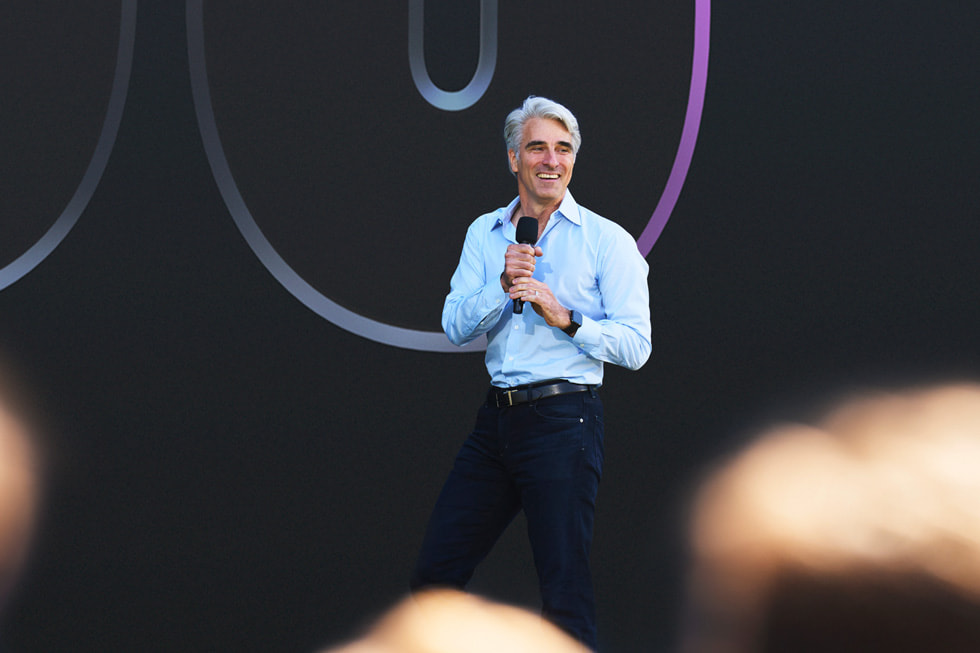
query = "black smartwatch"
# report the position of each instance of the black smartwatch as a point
(572, 328)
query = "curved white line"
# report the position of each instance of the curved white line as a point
(487, 63)
(30, 259)
(284, 274)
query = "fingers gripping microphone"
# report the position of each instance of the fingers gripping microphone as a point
(527, 234)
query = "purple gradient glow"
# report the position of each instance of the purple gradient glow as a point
(689, 135)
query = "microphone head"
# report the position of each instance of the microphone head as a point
(527, 230)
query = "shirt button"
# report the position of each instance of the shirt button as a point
(516, 327)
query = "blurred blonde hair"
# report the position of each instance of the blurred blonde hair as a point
(449, 621)
(881, 500)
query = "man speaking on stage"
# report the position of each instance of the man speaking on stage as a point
(537, 445)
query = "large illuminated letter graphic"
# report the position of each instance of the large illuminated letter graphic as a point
(467, 96)
(343, 152)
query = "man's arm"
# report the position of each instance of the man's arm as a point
(476, 297)
(622, 337)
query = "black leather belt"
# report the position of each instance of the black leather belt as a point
(522, 394)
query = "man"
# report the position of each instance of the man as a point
(538, 440)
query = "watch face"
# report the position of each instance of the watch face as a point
(338, 160)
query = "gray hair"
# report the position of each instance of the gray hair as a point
(539, 107)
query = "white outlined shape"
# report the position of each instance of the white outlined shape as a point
(346, 319)
(487, 62)
(30, 259)
(284, 274)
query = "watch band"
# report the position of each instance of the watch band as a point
(576, 319)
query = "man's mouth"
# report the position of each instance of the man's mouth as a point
(547, 175)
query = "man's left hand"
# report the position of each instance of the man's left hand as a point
(539, 295)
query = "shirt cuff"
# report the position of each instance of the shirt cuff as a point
(493, 301)
(588, 335)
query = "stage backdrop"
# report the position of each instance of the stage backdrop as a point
(226, 230)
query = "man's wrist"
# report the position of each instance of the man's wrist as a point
(574, 322)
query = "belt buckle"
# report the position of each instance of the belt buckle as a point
(510, 397)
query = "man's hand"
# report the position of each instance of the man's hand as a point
(518, 262)
(539, 295)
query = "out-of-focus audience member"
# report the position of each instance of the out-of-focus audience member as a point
(859, 534)
(449, 621)
(19, 480)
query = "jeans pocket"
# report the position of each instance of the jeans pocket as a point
(563, 408)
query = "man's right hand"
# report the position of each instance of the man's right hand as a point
(518, 262)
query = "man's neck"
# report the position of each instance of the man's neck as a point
(540, 212)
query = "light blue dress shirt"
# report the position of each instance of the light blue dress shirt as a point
(591, 265)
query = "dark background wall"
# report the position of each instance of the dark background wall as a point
(235, 472)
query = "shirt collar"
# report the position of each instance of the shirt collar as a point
(568, 209)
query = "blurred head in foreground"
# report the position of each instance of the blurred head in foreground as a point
(859, 534)
(448, 621)
(19, 483)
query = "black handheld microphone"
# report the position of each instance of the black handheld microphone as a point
(527, 234)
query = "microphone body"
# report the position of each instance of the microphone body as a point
(527, 234)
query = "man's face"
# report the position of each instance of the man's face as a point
(544, 164)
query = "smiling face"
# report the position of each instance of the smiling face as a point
(544, 164)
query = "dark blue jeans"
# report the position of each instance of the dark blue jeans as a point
(544, 457)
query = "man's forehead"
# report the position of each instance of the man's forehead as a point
(537, 128)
